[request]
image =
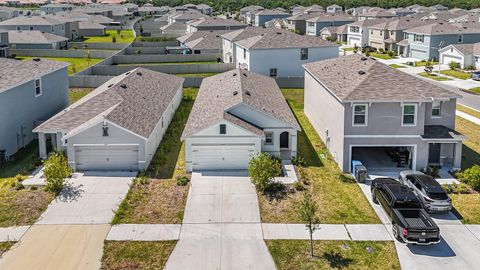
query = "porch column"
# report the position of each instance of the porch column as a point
(42, 145)
(59, 141)
(293, 137)
(457, 158)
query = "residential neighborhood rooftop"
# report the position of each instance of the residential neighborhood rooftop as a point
(33, 37)
(442, 28)
(281, 39)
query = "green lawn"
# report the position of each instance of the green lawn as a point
(456, 74)
(471, 147)
(397, 66)
(136, 255)
(381, 56)
(340, 202)
(358, 255)
(468, 206)
(76, 64)
(468, 111)
(434, 77)
(161, 200)
(5, 246)
(77, 93)
(424, 63)
(125, 36)
(475, 90)
(19, 206)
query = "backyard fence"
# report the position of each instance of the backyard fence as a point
(167, 58)
(62, 53)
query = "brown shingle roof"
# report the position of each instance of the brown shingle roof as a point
(468, 49)
(33, 37)
(135, 101)
(281, 39)
(445, 28)
(359, 78)
(219, 93)
(246, 33)
(215, 21)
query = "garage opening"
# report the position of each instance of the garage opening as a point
(386, 160)
(106, 157)
(222, 157)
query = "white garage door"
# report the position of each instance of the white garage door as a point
(447, 59)
(418, 54)
(222, 157)
(352, 41)
(106, 157)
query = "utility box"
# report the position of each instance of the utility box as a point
(359, 171)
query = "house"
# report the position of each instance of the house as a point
(315, 24)
(277, 23)
(263, 16)
(213, 23)
(402, 11)
(387, 119)
(36, 40)
(423, 42)
(30, 91)
(387, 34)
(282, 53)
(8, 13)
(377, 14)
(439, 7)
(358, 33)
(246, 10)
(176, 28)
(202, 42)
(55, 8)
(229, 48)
(89, 28)
(296, 9)
(237, 115)
(298, 22)
(356, 11)
(40, 23)
(3, 44)
(119, 125)
(335, 33)
(467, 55)
(334, 9)
(185, 17)
(205, 9)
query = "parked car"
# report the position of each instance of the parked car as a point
(428, 191)
(411, 224)
(476, 75)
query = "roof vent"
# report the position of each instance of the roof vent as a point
(234, 74)
(36, 59)
(247, 93)
(139, 73)
(235, 93)
(127, 73)
(361, 72)
(124, 86)
(110, 85)
(279, 33)
(364, 58)
(245, 74)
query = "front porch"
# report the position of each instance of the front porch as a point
(48, 142)
(444, 147)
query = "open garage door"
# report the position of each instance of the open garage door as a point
(106, 157)
(222, 157)
(386, 161)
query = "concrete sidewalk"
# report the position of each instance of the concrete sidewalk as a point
(468, 117)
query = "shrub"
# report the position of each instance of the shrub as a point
(114, 39)
(263, 169)
(18, 186)
(381, 50)
(298, 161)
(141, 180)
(469, 67)
(182, 180)
(432, 171)
(56, 170)
(456, 188)
(453, 65)
(471, 177)
(347, 178)
(391, 53)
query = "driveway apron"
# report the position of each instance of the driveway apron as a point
(221, 226)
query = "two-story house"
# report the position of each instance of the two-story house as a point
(40, 23)
(334, 9)
(376, 14)
(424, 42)
(30, 92)
(282, 53)
(317, 23)
(385, 35)
(55, 8)
(263, 16)
(247, 10)
(298, 23)
(387, 119)
(229, 50)
(213, 23)
(358, 33)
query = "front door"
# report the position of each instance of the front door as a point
(284, 140)
(434, 153)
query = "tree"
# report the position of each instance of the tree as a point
(56, 170)
(307, 211)
(263, 170)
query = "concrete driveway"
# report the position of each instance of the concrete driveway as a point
(221, 227)
(89, 198)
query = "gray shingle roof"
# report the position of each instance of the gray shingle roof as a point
(135, 101)
(215, 21)
(400, 24)
(441, 132)
(282, 39)
(33, 37)
(246, 33)
(266, 12)
(468, 49)
(445, 28)
(201, 34)
(16, 72)
(33, 20)
(219, 93)
(329, 17)
(359, 78)
(90, 25)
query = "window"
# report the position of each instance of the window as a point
(460, 38)
(436, 108)
(223, 129)
(371, 31)
(311, 24)
(360, 115)
(418, 38)
(52, 29)
(391, 33)
(269, 138)
(18, 28)
(354, 29)
(381, 32)
(31, 28)
(405, 35)
(273, 72)
(409, 115)
(244, 53)
(38, 87)
(304, 54)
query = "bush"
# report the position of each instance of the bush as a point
(263, 169)
(347, 178)
(367, 53)
(56, 170)
(469, 67)
(18, 186)
(453, 65)
(381, 50)
(456, 188)
(391, 53)
(141, 180)
(471, 177)
(114, 39)
(182, 180)
(432, 171)
(298, 161)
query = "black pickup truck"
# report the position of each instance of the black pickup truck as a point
(410, 223)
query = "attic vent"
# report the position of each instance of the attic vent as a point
(139, 73)
(247, 93)
(36, 59)
(234, 74)
(279, 33)
(364, 58)
(361, 72)
(245, 74)
(127, 73)
(124, 86)
(235, 93)
(110, 85)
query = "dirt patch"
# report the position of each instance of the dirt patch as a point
(23, 207)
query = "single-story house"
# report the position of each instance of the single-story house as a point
(213, 23)
(335, 33)
(467, 55)
(202, 42)
(36, 40)
(237, 115)
(117, 126)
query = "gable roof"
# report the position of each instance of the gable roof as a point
(90, 25)
(204, 41)
(201, 34)
(33, 37)
(219, 93)
(466, 49)
(328, 17)
(245, 33)
(445, 28)
(135, 101)
(266, 12)
(283, 39)
(359, 78)
(31, 20)
(16, 72)
(214, 21)
(400, 24)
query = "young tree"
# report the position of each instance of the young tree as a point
(307, 211)
(56, 170)
(263, 170)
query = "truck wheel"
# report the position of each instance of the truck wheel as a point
(396, 232)
(374, 198)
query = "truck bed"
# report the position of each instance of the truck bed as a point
(416, 223)
(415, 219)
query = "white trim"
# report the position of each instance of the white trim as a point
(35, 86)
(415, 115)
(366, 114)
(414, 157)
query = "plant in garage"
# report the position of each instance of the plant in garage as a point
(56, 170)
(263, 170)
